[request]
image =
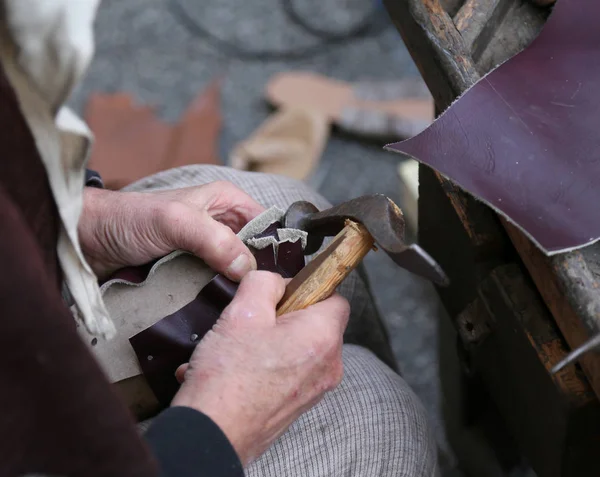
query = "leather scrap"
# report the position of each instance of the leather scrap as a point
(289, 143)
(524, 138)
(132, 142)
(164, 346)
(371, 108)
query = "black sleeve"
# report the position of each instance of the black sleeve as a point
(188, 443)
(93, 179)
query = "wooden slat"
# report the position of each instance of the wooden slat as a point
(575, 313)
(477, 21)
(543, 421)
(445, 64)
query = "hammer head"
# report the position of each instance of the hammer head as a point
(380, 216)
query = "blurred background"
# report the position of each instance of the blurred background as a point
(164, 52)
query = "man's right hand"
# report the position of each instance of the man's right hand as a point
(253, 374)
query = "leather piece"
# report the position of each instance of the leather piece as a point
(132, 142)
(330, 97)
(134, 275)
(524, 140)
(164, 346)
(290, 143)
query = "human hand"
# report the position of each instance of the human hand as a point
(119, 229)
(253, 374)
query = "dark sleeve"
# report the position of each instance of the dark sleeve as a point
(93, 179)
(187, 443)
(50, 384)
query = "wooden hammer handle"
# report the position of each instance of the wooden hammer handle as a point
(319, 279)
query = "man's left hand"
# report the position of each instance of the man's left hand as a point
(119, 229)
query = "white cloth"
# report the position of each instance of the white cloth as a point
(45, 48)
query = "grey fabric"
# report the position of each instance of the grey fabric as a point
(371, 425)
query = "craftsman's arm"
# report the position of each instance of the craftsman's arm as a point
(186, 443)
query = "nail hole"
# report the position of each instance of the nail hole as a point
(469, 326)
(150, 357)
(194, 337)
(94, 341)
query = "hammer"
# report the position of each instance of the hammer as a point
(357, 225)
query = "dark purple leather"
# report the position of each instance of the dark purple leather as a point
(132, 274)
(164, 346)
(525, 138)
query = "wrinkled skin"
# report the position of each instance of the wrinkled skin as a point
(119, 229)
(252, 374)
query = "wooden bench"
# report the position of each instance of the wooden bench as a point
(517, 312)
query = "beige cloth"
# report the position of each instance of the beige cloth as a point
(290, 142)
(45, 48)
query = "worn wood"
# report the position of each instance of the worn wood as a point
(520, 25)
(451, 6)
(436, 47)
(465, 260)
(477, 21)
(549, 275)
(319, 279)
(540, 409)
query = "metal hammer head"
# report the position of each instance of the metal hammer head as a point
(380, 216)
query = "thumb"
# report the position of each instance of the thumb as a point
(197, 232)
(180, 372)
(256, 300)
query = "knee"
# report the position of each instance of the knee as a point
(372, 424)
(389, 420)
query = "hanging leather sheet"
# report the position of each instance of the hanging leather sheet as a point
(524, 138)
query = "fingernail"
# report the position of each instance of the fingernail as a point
(243, 264)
